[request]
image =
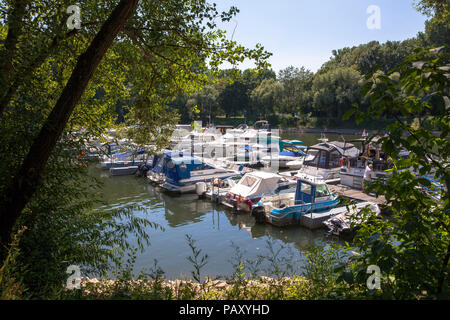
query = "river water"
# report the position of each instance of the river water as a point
(217, 231)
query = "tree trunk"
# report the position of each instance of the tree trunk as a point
(29, 176)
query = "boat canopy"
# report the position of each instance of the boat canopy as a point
(256, 183)
(160, 160)
(181, 168)
(292, 151)
(327, 154)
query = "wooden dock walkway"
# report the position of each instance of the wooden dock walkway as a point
(354, 194)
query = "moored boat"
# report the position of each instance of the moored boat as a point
(183, 173)
(310, 196)
(326, 159)
(254, 185)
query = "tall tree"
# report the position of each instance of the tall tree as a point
(163, 49)
(335, 91)
(234, 99)
(207, 102)
(440, 9)
(265, 98)
(296, 84)
(29, 176)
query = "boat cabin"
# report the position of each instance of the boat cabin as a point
(326, 155)
(160, 160)
(312, 191)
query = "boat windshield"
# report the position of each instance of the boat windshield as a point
(322, 191)
(316, 158)
(311, 154)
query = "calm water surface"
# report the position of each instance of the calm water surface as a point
(217, 231)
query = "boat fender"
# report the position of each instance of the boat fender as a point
(200, 188)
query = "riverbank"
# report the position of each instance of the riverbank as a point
(359, 132)
(264, 288)
(317, 124)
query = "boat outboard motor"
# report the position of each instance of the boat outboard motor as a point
(142, 170)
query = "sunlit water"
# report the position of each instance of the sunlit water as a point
(217, 231)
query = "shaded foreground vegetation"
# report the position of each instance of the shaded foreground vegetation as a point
(286, 280)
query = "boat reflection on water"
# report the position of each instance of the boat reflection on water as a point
(302, 238)
(215, 228)
(183, 210)
(187, 209)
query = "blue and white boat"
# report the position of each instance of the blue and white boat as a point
(182, 173)
(291, 151)
(157, 171)
(311, 196)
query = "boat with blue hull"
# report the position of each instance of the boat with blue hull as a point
(311, 196)
(182, 174)
(157, 171)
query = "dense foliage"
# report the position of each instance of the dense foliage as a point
(412, 248)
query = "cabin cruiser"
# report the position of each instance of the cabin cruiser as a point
(182, 174)
(248, 156)
(254, 185)
(326, 159)
(312, 205)
(352, 171)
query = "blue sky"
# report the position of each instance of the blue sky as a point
(304, 32)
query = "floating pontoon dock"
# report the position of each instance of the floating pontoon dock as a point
(357, 195)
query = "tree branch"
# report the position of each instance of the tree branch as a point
(29, 177)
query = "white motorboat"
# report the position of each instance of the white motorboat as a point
(254, 185)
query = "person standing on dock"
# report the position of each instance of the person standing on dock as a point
(367, 175)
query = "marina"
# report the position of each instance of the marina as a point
(219, 150)
(217, 199)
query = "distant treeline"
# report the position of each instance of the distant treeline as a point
(295, 95)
